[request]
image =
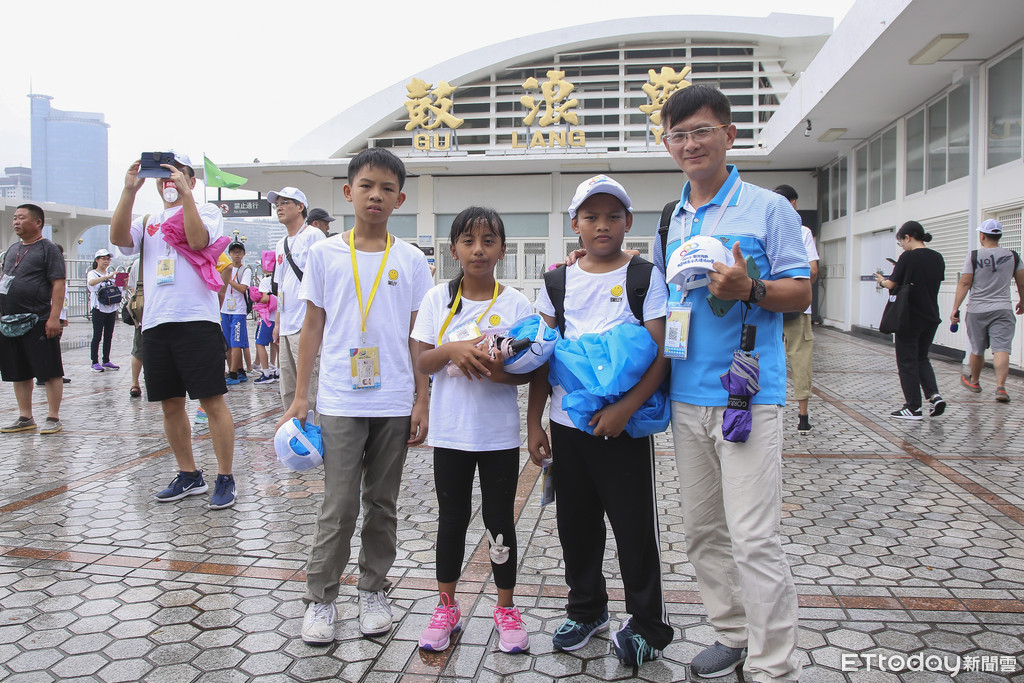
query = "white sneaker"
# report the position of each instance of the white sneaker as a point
(318, 624)
(374, 613)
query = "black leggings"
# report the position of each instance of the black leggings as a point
(453, 481)
(915, 369)
(102, 325)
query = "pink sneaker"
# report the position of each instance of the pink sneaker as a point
(447, 620)
(512, 637)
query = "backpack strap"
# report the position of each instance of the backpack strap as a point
(666, 220)
(1016, 260)
(554, 282)
(638, 281)
(974, 260)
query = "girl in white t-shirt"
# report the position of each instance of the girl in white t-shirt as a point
(474, 421)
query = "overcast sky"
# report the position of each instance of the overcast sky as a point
(245, 80)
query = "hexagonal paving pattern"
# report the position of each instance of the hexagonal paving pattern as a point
(905, 539)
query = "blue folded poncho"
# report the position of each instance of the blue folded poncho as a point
(597, 369)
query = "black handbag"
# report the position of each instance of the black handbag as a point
(896, 316)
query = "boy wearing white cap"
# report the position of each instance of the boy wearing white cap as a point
(292, 250)
(987, 273)
(606, 471)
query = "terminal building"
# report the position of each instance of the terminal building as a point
(909, 109)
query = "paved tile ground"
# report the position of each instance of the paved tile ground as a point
(906, 539)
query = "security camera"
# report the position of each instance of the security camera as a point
(807, 130)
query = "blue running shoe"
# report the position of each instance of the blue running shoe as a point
(631, 648)
(185, 484)
(231, 381)
(572, 635)
(223, 492)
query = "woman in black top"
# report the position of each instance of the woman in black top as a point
(924, 268)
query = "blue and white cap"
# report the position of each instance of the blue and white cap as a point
(696, 256)
(298, 449)
(599, 184)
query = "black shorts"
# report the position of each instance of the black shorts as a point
(180, 357)
(30, 355)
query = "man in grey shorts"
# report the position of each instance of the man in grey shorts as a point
(990, 323)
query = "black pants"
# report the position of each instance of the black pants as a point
(915, 369)
(453, 481)
(595, 477)
(102, 325)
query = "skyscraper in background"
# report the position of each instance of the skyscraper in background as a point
(69, 155)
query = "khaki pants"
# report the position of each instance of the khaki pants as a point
(799, 340)
(288, 362)
(363, 458)
(732, 504)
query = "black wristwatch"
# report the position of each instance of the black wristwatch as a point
(757, 291)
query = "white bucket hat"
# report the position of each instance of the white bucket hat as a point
(289, 442)
(696, 256)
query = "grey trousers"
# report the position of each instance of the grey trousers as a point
(363, 460)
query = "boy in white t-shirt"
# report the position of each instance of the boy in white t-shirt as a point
(609, 472)
(232, 312)
(362, 291)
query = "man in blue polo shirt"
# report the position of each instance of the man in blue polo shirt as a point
(732, 491)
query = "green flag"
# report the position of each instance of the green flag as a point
(218, 178)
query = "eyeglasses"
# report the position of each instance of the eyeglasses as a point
(281, 202)
(697, 135)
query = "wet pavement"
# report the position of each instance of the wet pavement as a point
(906, 541)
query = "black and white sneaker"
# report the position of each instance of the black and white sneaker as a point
(938, 406)
(906, 413)
(804, 426)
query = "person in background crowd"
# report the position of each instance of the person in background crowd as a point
(987, 274)
(104, 316)
(925, 269)
(797, 334)
(183, 346)
(32, 283)
(321, 220)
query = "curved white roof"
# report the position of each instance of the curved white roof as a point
(792, 39)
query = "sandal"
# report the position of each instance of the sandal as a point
(135, 392)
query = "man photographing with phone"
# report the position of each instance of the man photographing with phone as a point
(183, 348)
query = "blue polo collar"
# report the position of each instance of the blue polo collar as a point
(723, 192)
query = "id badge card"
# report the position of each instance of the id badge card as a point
(677, 330)
(5, 283)
(547, 487)
(165, 270)
(365, 362)
(231, 304)
(465, 333)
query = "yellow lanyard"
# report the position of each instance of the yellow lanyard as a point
(455, 305)
(364, 313)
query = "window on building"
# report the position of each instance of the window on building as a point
(936, 174)
(915, 153)
(862, 178)
(1005, 85)
(959, 132)
(876, 170)
(832, 191)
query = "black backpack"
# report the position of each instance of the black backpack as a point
(108, 294)
(638, 281)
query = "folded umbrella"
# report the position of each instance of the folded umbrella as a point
(742, 382)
